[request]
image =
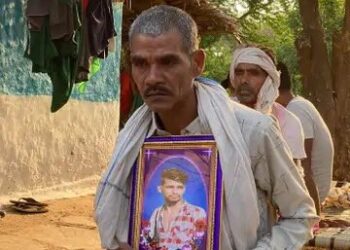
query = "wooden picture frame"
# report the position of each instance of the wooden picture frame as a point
(176, 195)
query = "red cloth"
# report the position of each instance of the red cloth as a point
(126, 94)
(85, 4)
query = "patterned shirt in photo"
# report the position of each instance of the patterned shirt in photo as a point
(186, 231)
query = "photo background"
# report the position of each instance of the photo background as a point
(194, 162)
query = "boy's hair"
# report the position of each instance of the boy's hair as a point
(174, 174)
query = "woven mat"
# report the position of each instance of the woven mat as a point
(333, 237)
(336, 213)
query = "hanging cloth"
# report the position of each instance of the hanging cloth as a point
(54, 42)
(100, 26)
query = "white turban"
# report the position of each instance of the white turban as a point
(269, 90)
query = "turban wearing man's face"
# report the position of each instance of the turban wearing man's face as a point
(269, 90)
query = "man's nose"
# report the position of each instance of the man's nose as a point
(153, 75)
(244, 77)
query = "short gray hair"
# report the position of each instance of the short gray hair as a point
(161, 19)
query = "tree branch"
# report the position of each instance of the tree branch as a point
(254, 8)
(346, 25)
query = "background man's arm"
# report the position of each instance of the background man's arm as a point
(278, 176)
(309, 181)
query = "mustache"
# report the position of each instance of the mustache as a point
(244, 87)
(156, 90)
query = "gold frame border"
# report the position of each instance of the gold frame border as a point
(138, 197)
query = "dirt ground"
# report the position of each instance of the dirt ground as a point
(68, 225)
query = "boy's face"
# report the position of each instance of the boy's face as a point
(172, 191)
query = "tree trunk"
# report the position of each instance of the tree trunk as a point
(341, 80)
(328, 87)
(314, 63)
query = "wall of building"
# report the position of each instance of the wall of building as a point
(44, 153)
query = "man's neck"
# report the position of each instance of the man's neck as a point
(181, 116)
(285, 97)
(249, 104)
(170, 213)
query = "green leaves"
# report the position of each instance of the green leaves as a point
(274, 24)
(218, 50)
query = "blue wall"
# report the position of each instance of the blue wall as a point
(16, 77)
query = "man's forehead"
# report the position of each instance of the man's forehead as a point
(178, 182)
(248, 66)
(170, 42)
(156, 55)
(165, 39)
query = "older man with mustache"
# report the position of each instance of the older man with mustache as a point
(254, 75)
(256, 165)
(255, 78)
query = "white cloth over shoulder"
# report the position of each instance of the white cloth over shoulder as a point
(291, 129)
(322, 147)
(269, 91)
(215, 111)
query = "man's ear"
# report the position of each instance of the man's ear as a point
(198, 62)
(159, 189)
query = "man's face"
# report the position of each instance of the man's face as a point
(172, 191)
(162, 71)
(248, 81)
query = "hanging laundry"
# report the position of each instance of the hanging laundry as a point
(83, 66)
(100, 24)
(55, 26)
(95, 67)
(59, 41)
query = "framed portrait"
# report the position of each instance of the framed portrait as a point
(176, 195)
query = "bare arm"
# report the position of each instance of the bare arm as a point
(309, 181)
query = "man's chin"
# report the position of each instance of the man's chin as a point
(159, 107)
(248, 101)
(173, 201)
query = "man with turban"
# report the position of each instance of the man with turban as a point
(254, 76)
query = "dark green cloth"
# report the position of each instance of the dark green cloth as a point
(40, 49)
(58, 58)
(59, 45)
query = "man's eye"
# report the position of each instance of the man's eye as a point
(238, 72)
(255, 72)
(139, 63)
(168, 61)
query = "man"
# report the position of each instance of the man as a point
(318, 166)
(256, 164)
(174, 225)
(254, 75)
